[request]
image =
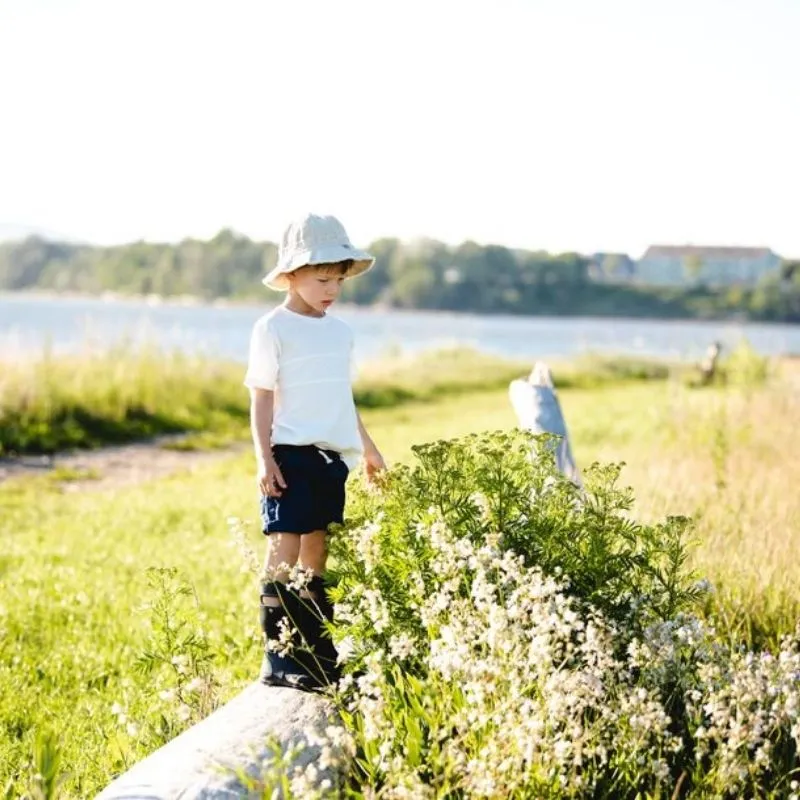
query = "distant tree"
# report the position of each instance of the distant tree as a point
(611, 265)
(790, 271)
(372, 286)
(421, 274)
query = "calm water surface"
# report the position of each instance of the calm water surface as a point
(28, 323)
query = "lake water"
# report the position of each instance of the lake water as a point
(28, 323)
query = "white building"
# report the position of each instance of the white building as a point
(671, 265)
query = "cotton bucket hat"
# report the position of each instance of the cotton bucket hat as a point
(313, 239)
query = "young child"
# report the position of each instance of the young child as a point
(307, 436)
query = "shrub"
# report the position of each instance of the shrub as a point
(505, 635)
(745, 366)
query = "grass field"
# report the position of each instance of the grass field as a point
(79, 611)
(48, 404)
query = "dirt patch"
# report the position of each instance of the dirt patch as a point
(111, 467)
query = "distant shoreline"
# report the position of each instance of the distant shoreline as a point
(189, 301)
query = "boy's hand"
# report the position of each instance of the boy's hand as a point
(373, 463)
(270, 478)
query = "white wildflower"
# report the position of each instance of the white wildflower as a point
(401, 647)
(181, 664)
(197, 684)
(345, 650)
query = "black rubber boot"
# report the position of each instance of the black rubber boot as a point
(317, 654)
(325, 648)
(284, 670)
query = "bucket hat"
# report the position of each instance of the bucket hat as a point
(314, 239)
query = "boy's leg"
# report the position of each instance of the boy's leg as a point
(313, 551)
(328, 479)
(280, 613)
(313, 555)
(296, 508)
(282, 548)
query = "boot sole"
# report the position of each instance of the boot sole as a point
(304, 684)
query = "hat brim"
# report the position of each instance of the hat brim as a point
(331, 254)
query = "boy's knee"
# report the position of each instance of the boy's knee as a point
(314, 552)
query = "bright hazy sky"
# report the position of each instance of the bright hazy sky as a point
(557, 124)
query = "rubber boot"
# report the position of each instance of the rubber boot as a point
(325, 648)
(316, 655)
(276, 669)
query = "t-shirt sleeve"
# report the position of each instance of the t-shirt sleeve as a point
(262, 365)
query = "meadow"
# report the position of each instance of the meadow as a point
(124, 394)
(126, 616)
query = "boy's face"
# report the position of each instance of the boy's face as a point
(318, 285)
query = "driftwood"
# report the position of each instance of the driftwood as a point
(204, 762)
(708, 366)
(536, 404)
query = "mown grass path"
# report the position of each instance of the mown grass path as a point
(119, 465)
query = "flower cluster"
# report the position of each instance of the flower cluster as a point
(748, 709)
(131, 728)
(522, 689)
(472, 671)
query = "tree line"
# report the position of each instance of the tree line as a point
(424, 274)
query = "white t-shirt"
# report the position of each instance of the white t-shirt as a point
(306, 361)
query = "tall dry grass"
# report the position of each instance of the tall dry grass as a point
(728, 457)
(50, 403)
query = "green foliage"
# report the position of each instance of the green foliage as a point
(438, 373)
(394, 380)
(109, 656)
(73, 576)
(177, 654)
(745, 366)
(591, 370)
(635, 574)
(419, 274)
(46, 775)
(471, 671)
(49, 404)
(229, 265)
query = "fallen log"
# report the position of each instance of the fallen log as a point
(206, 761)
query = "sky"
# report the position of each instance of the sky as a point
(585, 125)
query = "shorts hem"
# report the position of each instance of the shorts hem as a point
(298, 530)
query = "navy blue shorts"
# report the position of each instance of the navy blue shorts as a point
(314, 495)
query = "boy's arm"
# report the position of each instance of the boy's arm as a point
(269, 478)
(373, 460)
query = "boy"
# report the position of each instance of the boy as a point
(307, 436)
